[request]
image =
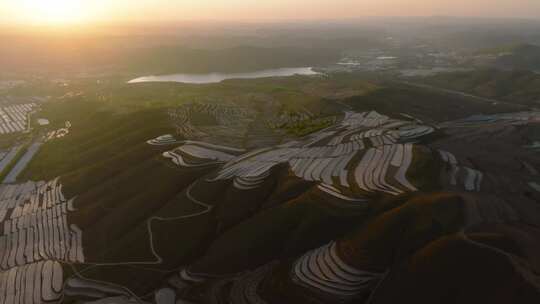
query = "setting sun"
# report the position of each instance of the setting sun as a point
(53, 11)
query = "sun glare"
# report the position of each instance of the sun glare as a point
(53, 11)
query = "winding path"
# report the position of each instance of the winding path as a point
(159, 259)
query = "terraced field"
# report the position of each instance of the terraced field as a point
(15, 118)
(322, 269)
(366, 153)
(195, 121)
(36, 240)
(210, 203)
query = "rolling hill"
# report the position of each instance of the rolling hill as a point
(518, 86)
(389, 199)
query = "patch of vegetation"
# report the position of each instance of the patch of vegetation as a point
(394, 98)
(510, 86)
(307, 126)
(425, 170)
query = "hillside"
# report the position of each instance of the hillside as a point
(400, 98)
(167, 193)
(273, 214)
(521, 87)
(520, 57)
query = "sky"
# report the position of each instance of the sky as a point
(62, 12)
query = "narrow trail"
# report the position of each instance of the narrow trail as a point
(159, 259)
(346, 106)
(207, 208)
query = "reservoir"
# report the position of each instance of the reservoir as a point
(219, 77)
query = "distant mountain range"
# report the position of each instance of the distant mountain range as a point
(155, 60)
(237, 59)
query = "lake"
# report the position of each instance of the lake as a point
(219, 77)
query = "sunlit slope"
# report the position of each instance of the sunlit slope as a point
(111, 118)
(100, 138)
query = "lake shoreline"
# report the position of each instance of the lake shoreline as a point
(207, 78)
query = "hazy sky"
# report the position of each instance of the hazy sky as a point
(69, 11)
